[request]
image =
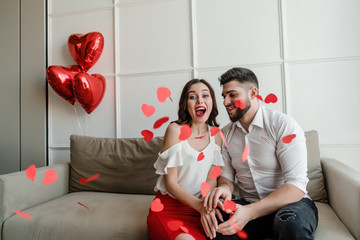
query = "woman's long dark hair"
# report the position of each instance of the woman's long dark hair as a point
(183, 114)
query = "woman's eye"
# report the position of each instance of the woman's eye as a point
(192, 97)
(206, 95)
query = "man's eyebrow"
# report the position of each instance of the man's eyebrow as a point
(230, 91)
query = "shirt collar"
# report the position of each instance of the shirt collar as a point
(257, 121)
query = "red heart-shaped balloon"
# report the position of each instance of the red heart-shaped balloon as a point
(89, 90)
(61, 80)
(86, 49)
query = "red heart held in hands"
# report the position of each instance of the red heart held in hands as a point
(61, 80)
(156, 205)
(50, 177)
(228, 204)
(148, 110)
(89, 90)
(148, 135)
(86, 49)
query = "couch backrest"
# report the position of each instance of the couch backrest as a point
(125, 165)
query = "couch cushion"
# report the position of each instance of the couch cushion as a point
(109, 216)
(315, 187)
(330, 226)
(125, 165)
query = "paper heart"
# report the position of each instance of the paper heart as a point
(184, 229)
(89, 90)
(205, 188)
(61, 80)
(259, 97)
(163, 93)
(215, 172)
(185, 132)
(240, 104)
(229, 205)
(160, 122)
(214, 131)
(156, 205)
(288, 138)
(31, 172)
(84, 180)
(22, 214)
(148, 110)
(223, 138)
(271, 98)
(148, 135)
(245, 154)
(50, 177)
(175, 225)
(200, 156)
(86, 49)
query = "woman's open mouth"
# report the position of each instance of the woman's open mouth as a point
(200, 111)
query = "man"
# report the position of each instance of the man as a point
(271, 179)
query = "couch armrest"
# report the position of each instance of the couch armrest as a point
(343, 188)
(17, 192)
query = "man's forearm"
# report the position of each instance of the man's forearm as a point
(281, 197)
(224, 182)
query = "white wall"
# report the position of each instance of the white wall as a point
(306, 52)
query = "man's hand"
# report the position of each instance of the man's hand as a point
(211, 201)
(242, 215)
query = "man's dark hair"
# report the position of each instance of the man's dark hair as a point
(242, 75)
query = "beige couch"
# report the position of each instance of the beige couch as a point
(115, 205)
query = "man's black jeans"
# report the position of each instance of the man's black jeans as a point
(297, 220)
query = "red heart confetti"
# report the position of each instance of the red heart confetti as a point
(240, 233)
(156, 205)
(271, 98)
(83, 205)
(245, 153)
(259, 97)
(31, 172)
(148, 110)
(185, 132)
(175, 225)
(50, 177)
(240, 104)
(201, 137)
(160, 122)
(184, 229)
(288, 138)
(84, 180)
(22, 214)
(229, 205)
(205, 188)
(201, 156)
(259, 136)
(223, 138)
(148, 135)
(214, 131)
(215, 172)
(163, 93)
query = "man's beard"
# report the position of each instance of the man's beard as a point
(241, 112)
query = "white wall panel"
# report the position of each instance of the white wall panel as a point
(325, 96)
(270, 81)
(137, 90)
(59, 156)
(62, 27)
(323, 28)
(155, 37)
(237, 32)
(62, 6)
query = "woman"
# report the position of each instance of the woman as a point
(182, 169)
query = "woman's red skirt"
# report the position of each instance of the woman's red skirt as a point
(174, 219)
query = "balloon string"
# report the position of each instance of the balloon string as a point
(78, 121)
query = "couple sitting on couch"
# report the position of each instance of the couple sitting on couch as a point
(271, 172)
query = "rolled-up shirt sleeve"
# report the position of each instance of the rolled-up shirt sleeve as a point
(293, 155)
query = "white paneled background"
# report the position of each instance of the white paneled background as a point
(305, 52)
